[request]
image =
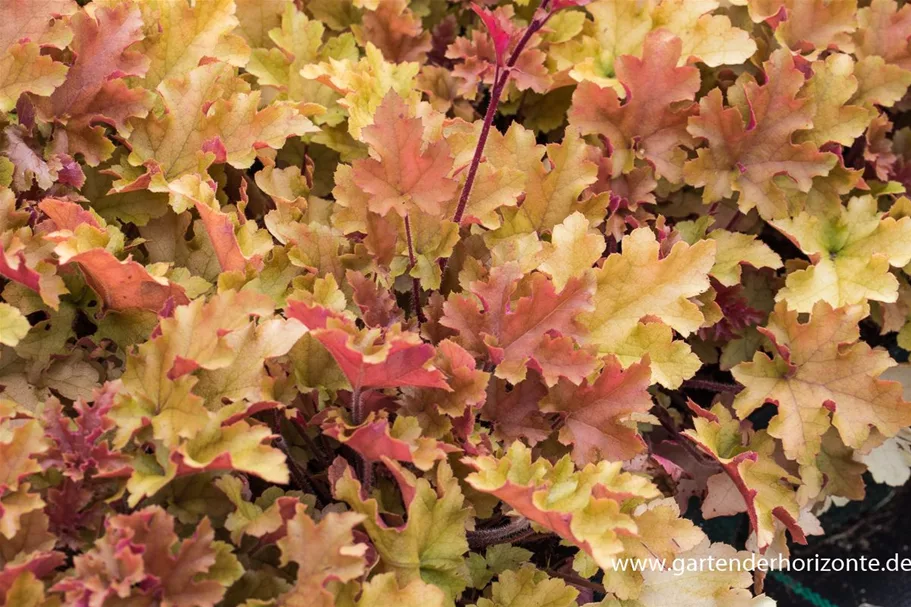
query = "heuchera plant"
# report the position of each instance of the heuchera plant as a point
(430, 303)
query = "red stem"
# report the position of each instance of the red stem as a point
(501, 77)
(733, 221)
(498, 87)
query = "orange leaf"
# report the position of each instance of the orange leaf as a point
(820, 367)
(516, 413)
(398, 359)
(522, 334)
(405, 171)
(376, 438)
(600, 420)
(121, 284)
(94, 90)
(750, 144)
(651, 120)
(219, 227)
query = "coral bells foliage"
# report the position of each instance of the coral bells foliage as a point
(431, 303)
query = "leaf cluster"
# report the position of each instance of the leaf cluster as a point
(362, 303)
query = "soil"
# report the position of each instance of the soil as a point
(879, 527)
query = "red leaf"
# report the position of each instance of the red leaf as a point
(522, 334)
(406, 171)
(219, 227)
(558, 357)
(19, 271)
(374, 439)
(40, 564)
(396, 362)
(67, 215)
(94, 90)
(71, 511)
(224, 240)
(557, 5)
(651, 120)
(499, 34)
(599, 416)
(77, 447)
(126, 284)
(139, 557)
(468, 383)
(516, 414)
(378, 307)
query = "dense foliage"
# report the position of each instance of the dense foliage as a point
(423, 303)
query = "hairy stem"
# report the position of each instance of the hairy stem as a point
(710, 385)
(366, 476)
(357, 414)
(510, 532)
(365, 468)
(500, 79)
(415, 282)
(499, 85)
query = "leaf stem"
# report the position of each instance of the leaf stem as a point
(297, 473)
(578, 580)
(668, 423)
(302, 478)
(510, 532)
(415, 281)
(357, 414)
(315, 449)
(366, 476)
(733, 221)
